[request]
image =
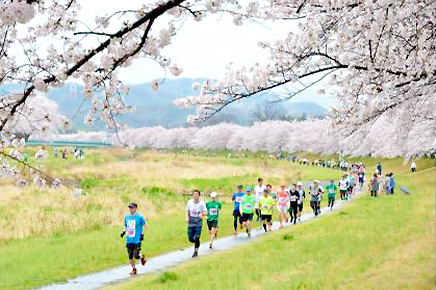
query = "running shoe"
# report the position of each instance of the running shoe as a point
(249, 235)
(143, 260)
(134, 272)
(210, 246)
(195, 254)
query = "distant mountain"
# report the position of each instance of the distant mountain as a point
(156, 108)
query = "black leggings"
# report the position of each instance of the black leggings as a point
(331, 201)
(314, 206)
(236, 216)
(293, 210)
(196, 242)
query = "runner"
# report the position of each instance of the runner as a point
(258, 190)
(361, 178)
(271, 193)
(331, 193)
(237, 198)
(248, 204)
(294, 196)
(134, 225)
(283, 204)
(413, 166)
(301, 200)
(195, 211)
(350, 185)
(266, 204)
(213, 212)
(316, 194)
(343, 187)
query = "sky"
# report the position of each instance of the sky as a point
(203, 49)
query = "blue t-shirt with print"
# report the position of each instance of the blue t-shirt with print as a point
(134, 224)
(237, 198)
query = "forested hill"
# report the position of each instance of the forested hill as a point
(156, 108)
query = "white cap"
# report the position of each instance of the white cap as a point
(316, 181)
(213, 194)
(300, 183)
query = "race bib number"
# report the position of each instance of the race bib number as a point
(239, 199)
(213, 211)
(194, 213)
(131, 228)
(331, 191)
(265, 207)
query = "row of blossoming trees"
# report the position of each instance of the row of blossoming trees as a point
(273, 136)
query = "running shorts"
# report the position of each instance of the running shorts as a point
(267, 217)
(247, 217)
(212, 224)
(133, 250)
(282, 209)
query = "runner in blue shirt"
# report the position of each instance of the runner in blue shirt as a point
(237, 198)
(133, 227)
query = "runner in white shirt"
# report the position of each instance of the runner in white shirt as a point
(195, 210)
(343, 187)
(258, 191)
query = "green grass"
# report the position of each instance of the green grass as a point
(54, 259)
(90, 243)
(382, 243)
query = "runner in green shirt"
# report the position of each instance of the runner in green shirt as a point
(213, 210)
(331, 193)
(247, 210)
(266, 204)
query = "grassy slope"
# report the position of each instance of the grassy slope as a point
(67, 251)
(383, 243)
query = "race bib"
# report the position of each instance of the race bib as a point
(213, 211)
(239, 199)
(331, 191)
(194, 213)
(131, 228)
(265, 207)
(248, 206)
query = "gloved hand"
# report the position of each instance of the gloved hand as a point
(142, 237)
(122, 234)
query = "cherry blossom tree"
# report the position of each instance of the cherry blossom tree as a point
(378, 56)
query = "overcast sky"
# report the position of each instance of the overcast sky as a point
(202, 49)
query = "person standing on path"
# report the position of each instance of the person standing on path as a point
(247, 210)
(331, 193)
(387, 184)
(283, 204)
(195, 211)
(301, 200)
(392, 183)
(258, 191)
(237, 198)
(374, 185)
(379, 168)
(413, 166)
(213, 212)
(134, 225)
(266, 204)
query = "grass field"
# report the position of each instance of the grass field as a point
(50, 236)
(59, 237)
(382, 243)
